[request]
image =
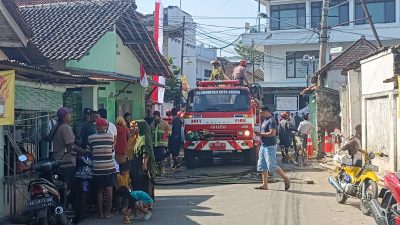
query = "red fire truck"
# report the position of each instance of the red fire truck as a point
(221, 117)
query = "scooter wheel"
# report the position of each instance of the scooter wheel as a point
(341, 197)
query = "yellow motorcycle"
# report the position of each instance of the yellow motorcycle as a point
(359, 181)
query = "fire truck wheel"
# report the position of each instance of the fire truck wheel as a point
(190, 159)
(250, 157)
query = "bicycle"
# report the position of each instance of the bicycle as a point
(299, 158)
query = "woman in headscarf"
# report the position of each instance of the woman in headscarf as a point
(141, 157)
(121, 144)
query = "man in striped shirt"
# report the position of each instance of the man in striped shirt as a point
(101, 145)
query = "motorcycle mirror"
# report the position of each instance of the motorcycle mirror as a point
(371, 155)
(22, 158)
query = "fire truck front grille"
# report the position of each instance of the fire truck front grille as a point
(223, 134)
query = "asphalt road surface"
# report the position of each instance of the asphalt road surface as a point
(241, 204)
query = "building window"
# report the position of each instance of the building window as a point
(382, 11)
(290, 16)
(338, 14)
(207, 74)
(296, 67)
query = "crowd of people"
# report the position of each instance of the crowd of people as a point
(287, 125)
(126, 156)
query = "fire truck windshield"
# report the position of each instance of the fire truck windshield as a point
(218, 100)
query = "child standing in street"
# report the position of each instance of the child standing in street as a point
(123, 184)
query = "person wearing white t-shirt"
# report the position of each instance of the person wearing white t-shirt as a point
(305, 127)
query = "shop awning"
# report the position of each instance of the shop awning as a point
(101, 76)
(44, 75)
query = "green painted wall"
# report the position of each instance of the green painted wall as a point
(111, 55)
(101, 56)
(313, 119)
(30, 98)
(127, 63)
(106, 99)
(117, 92)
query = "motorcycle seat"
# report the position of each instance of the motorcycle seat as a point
(47, 165)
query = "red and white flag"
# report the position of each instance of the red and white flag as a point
(143, 77)
(158, 94)
(158, 26)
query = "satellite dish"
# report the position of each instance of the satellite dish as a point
(307, 58)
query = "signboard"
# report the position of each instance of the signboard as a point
(287, 103)
(334, 52)
(7, 95)
(218, 92)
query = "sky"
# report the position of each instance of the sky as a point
(216, 19)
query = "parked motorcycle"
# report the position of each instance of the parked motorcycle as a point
(46, 193)
(387, 212)
(83, 177)
(358, 181)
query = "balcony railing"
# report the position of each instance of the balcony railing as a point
(257, 29)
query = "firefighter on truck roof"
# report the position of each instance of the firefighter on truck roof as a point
(217, 72)
(240, 73)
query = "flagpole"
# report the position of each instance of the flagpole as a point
(182, 52)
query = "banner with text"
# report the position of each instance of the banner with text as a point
(7, 95)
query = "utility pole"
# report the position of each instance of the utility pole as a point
(371, 24)
(259, 17)
(323, 38)
(182, 56)
(253, 56)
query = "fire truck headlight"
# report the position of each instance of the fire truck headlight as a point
(240, 133)
(246, 133)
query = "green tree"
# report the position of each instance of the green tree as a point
(172, 85)
(172, 91)
(246, 53)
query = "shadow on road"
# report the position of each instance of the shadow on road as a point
(176, 210)
(322, 194)
(184, 186)
(169, 210)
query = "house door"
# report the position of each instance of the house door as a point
(122, 107)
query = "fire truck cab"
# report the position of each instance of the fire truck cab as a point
(221, 117)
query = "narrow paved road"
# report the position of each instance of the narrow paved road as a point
(240, 204)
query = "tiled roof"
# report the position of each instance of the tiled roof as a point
(48, 2)
(41, 2)
(357, 50)
(66, 32)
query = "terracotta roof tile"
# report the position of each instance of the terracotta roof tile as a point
(67, 31)
(357, 50)
(59, 30)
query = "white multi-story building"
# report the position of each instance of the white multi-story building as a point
(173, 26)
(294, 26)
(204, 56)
(172, 39)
